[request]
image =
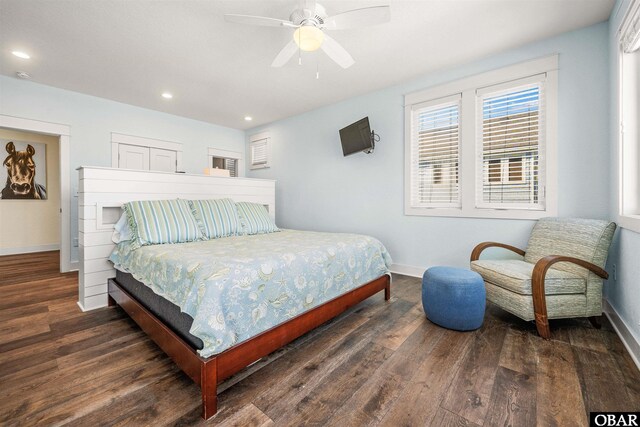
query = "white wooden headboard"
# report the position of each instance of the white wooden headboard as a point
(101, 192)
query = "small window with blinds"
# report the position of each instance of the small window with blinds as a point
(259, 149)
(435, 153)
(510, 145)
(227, 163)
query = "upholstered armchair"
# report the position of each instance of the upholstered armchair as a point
(560, 275)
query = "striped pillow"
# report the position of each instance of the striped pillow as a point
(161, 221)
(216, 218)
(255, 219)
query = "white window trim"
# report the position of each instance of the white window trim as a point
(119, 138)
(625, 148)
(439, 103)
(468, 87)
(257, 138)
(227, 154)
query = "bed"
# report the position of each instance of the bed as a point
(266, 290)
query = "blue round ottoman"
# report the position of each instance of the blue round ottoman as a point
(454, 298)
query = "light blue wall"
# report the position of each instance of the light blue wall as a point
(624, 293)
(319, 189)
(93, 119)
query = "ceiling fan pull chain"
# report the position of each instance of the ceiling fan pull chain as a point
(299, 51)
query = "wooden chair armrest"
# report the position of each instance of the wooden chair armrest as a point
(545, 263)
(475, 254)
(537, 287)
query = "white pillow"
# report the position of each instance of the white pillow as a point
(121, 231)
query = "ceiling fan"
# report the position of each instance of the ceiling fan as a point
(310, 22)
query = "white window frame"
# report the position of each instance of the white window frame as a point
(468, 133)
(438, 103)
(227, 154)
(260, 138)
(508, 87)
(628, 137)
(119, 138)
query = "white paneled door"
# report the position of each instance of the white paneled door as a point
(133, 157)
(162, 160)
(146, 158)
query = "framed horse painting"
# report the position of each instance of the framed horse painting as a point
(24, 170)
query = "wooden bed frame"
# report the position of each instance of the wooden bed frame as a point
(209, 372)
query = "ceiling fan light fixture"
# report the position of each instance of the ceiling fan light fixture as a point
(308, 38)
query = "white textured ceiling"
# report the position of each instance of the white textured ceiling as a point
(133, 50)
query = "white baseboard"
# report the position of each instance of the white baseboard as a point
(407, 270)
(81, 307)
(626, 336)
(29, 249)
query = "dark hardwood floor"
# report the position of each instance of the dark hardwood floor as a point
(377, 364)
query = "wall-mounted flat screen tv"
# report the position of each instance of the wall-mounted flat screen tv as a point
(356, 137)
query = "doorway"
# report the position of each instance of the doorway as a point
(56, 137)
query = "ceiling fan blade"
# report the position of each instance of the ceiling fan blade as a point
(285, 54)
(336, 52)
(258, 20)
(357, 18)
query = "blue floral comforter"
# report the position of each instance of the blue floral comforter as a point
(237, 287)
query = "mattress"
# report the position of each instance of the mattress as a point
(237, 287)
(163, 309)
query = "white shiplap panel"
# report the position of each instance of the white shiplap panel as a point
(97, 265)
(121, 198)
(81, 269)
(151, 187)
(97, 252)
(81, 291)
(87, 226)
(98, 187)
(96, 238)
(86, 212)
(98, 278)
(95, 301)
(165, 177)
(95, 290)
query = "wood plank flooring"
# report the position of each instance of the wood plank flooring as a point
(377, 364)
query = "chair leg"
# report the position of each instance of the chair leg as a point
(595, 322)
(540, 302)
(542, 325)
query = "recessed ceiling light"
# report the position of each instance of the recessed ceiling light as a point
(248, 118)
(167, 95)
(21, 54)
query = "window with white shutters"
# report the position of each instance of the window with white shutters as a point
(484, 146)
(510, 145)
(435, 153)
(259, 150)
